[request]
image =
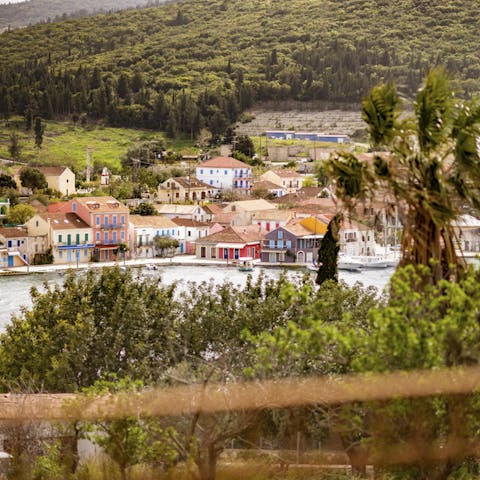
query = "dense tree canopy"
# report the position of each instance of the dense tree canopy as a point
(149, 68)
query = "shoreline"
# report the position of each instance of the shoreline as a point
(184, 260)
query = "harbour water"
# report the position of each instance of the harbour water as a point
(15, 290)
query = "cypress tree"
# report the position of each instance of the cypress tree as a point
(328, 253)
(39, 129)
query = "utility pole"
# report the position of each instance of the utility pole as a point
(135, 165)
(89, 162)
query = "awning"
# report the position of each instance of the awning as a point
(230, 245)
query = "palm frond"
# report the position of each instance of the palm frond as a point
(380, 110)
(433, 110)
(466, 134)
(349, 174)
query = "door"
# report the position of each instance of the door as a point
(69, 239)
(202, 252)
(10, 260)
(69, 256)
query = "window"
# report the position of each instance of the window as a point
(225, 172)
(272, 243)
(74, 206)
(122, 219)
(211, 172)
(77, 238)
(105, 237)
(289, 244)
(105, 220)
(85, 252)
(122, 235)
(280, 244)
(189, 233)
(280, 234)
(60, 254)
(60, 239)
(36, 223)
(114, 219)
(98, 236)
(201, 172)
(86, 237)
(211, 182)
(97, 220)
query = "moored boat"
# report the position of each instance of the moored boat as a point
(363, 262)
(245, 264)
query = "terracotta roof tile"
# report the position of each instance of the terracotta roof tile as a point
(223, 162)
(11, 232)
(151, 221)
(187, 222)
(246, 234)
(64, 221)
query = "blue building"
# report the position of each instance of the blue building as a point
(310, 136)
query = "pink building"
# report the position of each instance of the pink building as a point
(109, 221)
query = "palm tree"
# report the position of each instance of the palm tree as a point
(427, 162)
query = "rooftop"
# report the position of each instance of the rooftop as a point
(266, 184)
(63, 221)
(286, 173)
(151, 221)
(275, 214)
(101, 203)
(12, 232)
(187, 222)
(223, 162)
(51, 171)
(244, 234)
(250, 205)
(189, 182)
(175, 208)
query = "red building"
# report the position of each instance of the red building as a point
(231, 243)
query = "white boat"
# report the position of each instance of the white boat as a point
(245, 264)
(363, 262)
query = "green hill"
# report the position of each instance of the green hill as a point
(179, 67)
(29, 12)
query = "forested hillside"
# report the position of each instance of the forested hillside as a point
(34, 11)
(181, 66)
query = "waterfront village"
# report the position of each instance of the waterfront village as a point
(215, 213)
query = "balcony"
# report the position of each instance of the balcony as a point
(108, 242)
(73, 246)
(109, 226)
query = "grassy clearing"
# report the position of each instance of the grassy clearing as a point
(66, 144)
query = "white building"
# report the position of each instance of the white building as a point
(189, 231)
(226, 173)
(192, 212)
(287, 179)
(356, 239)
(143, 229)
